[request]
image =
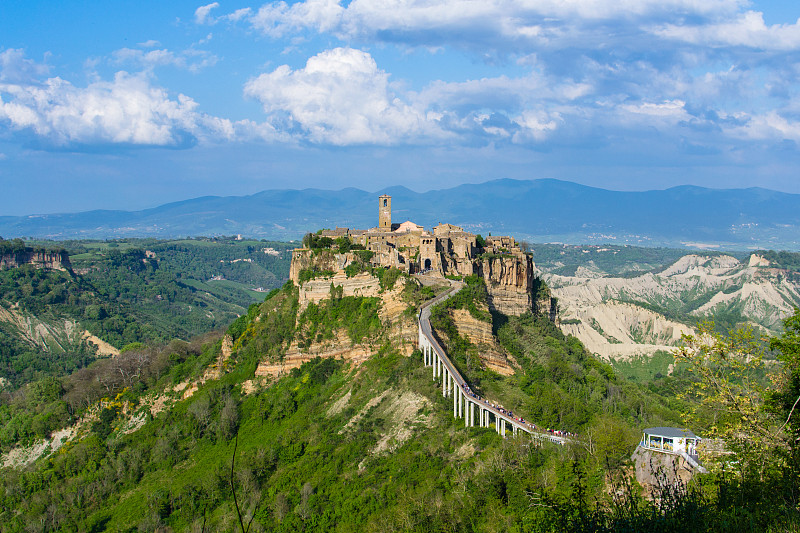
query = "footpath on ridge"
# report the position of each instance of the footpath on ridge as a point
(465, 401)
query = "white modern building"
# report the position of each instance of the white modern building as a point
(670, 440)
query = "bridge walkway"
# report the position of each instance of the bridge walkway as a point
(467, 404)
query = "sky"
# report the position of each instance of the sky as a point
(130, 105)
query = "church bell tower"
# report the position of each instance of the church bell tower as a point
(385, 212)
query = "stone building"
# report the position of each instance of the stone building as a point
(446, 250)
(509, 273)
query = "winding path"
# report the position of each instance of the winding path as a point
(466, 403)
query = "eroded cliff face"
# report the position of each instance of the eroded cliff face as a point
(49, 260)
(656, 470)
(510, 282)
(480, 334)
(315, 290)
(400, 328)
(320, 260)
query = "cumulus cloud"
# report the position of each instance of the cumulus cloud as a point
(767, 126)
(341, 97)
(127, 110)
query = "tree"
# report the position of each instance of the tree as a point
(739, 399)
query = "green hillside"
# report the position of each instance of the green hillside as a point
(331, 447)
(125, 292)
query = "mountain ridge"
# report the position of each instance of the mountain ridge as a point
(544, 210)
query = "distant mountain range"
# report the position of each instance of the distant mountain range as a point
(545, 210)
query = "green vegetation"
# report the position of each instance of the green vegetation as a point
(644, 369)
(357, 315)
(137, 290)
(312, 241)
(781, 259)
(307, 274)
(329, 447)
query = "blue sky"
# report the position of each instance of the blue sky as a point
(128, 105)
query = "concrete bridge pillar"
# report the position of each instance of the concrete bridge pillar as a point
(471, 414)
(503, 428)
(444, 383)
(460, 403)
(455, 405)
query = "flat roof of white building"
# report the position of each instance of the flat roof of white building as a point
(670, 432)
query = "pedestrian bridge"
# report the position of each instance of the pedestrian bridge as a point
(466, 404)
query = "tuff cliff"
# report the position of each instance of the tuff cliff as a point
(656, 471)
(513, 286)
(39, 259)
(400, 327)
(480, 334)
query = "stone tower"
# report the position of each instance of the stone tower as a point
(385, 212)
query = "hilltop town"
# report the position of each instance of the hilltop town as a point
(446, 250)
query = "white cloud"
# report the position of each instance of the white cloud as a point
(151, 43)
(535, 126)
(340, 97)
(239, 14)
(768, 126)
(673, 109)
(191, 59)
(472, 21)
(279, 18)
(127, 110)
(201, 14)
(16, 68)
(747, 29)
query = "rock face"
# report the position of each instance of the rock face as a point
(656, 470)
(480, 333)
(303, 258)
(401, 328)
(606, 314)
(477, 331)
(362, 284)
(621, 331)
(49, 260)
(509, 282)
